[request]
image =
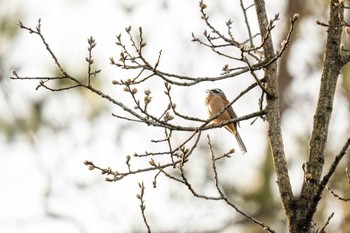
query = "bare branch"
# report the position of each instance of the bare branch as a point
(256, 78)
(225, 198)
(120, 175)
(38, 32)
(90, 61)
(322, 230)
(337, 195)
(316, 198)
(244, 10)
(143, 206)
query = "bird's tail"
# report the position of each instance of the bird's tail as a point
(240, 143)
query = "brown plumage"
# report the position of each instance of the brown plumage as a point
(215, 102)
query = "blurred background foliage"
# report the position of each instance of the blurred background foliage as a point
(261, 199)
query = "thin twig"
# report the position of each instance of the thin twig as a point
(225, 198)
(256, 77)
(322, 230)
(337, 195)
(143, 206)
(90, 61)
(326, 178)
(244, 10)
(38, 32)
(116, 175)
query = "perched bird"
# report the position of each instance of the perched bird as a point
(215, 102)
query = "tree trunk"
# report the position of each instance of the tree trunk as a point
(331, 69)
(300, 211)
(273, 113)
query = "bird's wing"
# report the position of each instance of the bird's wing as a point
(230, 111)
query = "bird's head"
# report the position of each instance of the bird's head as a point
(215, 91)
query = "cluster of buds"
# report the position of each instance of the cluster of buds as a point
(147, 99)
(104, 171)
(202, 5)
(127, 86)
(132, 91)
(184, 150)
(167, 117)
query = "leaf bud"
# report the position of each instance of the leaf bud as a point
(147, 92)
(295, 17)
(128, 81)
(134, 91)
(347, 30)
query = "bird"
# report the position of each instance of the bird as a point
(215, 101)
